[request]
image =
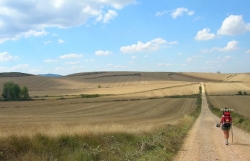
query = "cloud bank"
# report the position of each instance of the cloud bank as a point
(150, 46)
(24, 18)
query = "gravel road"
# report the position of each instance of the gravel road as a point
(205, 141)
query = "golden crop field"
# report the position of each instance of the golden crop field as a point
(245, 77)
(125, 104)
(227, 88)
(78, 116)
(240, 104)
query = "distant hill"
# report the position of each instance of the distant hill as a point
(14, 74)
(50, 75)
(85, 73)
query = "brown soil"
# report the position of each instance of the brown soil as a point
(205, 141)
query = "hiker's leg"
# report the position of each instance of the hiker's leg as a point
(225, 134)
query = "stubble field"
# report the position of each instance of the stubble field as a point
(77, 116)
(240, 104)
(129, 102)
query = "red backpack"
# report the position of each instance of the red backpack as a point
(226, 120)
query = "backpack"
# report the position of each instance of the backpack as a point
(226, 120)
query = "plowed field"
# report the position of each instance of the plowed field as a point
(78, 116)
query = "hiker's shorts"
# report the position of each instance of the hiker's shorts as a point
(225, 128)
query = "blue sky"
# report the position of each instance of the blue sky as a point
(71, 36)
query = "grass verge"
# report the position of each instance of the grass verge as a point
(238, 120)
(162, 143)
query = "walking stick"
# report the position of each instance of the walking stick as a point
(232, 133)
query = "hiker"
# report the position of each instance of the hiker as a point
(226, 121)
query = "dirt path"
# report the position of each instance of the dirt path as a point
(205, 142)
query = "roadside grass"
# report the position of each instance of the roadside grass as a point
(161, 143)
(239, 120)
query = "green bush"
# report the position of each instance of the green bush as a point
(90, 95)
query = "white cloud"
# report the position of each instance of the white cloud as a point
(231, 45)
(248, 52)
(72, 63)
(150, 46)
(211, 62)
(77, 67)
(226, 58)
(189, 60)
(173, 43)
(20, 66)
(109, 16)
(31, 18)
(68, 56)
(233, 25)
(33, 33)
(119, 66)
(100, 52)
(180, 11)
(181, 53)
(49, 61)
(5, 56)
(59, 69)
(162, 64)
(14, 68)
(88, 60)
(47, 42)
(161, 13)
(204, 35)
(35, 71)
(60, 41)
(133, 57)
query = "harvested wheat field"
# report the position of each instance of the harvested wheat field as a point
(240, 104)
(77, 116)
(124, 102)
(244, 77)
(133, 103)
(89, 83)
(227, 88)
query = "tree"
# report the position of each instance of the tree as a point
(24, 92)
(239, 93)
(13, 91)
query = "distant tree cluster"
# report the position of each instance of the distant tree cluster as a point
(240, 93)
(13, 91)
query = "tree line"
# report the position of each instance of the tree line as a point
(12, 91)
